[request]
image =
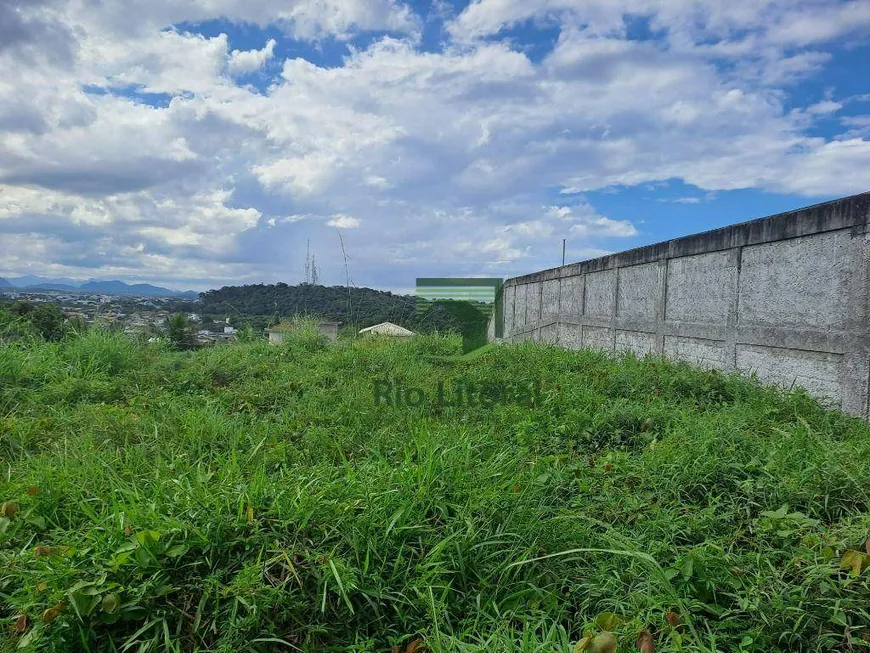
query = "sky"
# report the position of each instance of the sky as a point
(202, 143)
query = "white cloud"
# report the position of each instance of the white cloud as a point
(806, 24)
(779, 69)
(824, 107)
(304, 175)
(579, 221)
(792, 23)
(341, 221)
(856, 121)
(444, 159)
(301, 19)
(139, 236)
(159, 62)
(833, 168)
(315, 19)
(248, 61)
(586, 221)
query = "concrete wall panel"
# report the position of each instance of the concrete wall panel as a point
(533, 302)
(700, 288)
(600, 287)
(549, 334)
(639, 291)
(572, 296)
(597, 338)
(550, 299)
(815, 371)
(802, 282)
(510, 305)
(570, 336)
(520, 308)
(641, 344)
(703, 353)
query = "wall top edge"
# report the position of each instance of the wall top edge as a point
(845, 213)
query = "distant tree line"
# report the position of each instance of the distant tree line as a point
(264, 304)
(24, 319)
(255, 307)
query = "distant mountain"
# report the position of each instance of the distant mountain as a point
(63, 284)
(29, 280)
(121, 288)
(105, 286)
(54, 286)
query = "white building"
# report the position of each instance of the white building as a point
(386, 329)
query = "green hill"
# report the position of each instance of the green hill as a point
(359, 307)
(329, 302)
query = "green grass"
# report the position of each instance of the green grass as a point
(253, 498)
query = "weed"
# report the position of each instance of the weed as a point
(253, 498)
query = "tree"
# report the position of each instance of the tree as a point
(44, 320)
(179, 331)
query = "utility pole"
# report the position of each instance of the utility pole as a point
(563, 252)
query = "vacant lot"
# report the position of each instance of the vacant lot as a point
(253, 498)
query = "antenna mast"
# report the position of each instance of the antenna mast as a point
(308, 262)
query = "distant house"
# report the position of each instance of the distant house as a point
(386, 329)
(277, 332)
(329, 329)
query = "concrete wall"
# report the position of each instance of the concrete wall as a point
(784, 297)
